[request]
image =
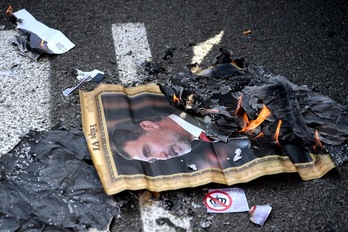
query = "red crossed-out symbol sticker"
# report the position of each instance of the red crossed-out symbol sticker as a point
(217, 200)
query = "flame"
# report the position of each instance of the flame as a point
(42, 43)
(276, 134)
(9, 10)
(175, 99)
(245, 120)
(317, 141)
(259, 135)
(240, 98)
(251, 125)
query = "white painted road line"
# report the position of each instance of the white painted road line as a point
(24, 95)
(131, 48)
(150, 212)
(201, 50)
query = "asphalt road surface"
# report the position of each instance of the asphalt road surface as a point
(305, 41)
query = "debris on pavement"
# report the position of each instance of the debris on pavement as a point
(68, 91)
(112, 113)
(232, 97)
(230, 200)
(226, 200)
(258, 214)
(9, 12)
(13, 71)
(169, 54)
(37, 37)
(207, 222)
(241, 108)
(22, 45)
(156, 218)
(95, 75)
(48, 183)
(247, 32)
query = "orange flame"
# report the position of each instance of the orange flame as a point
(245, 120)
(276, 134)
(175, 99)
(259, 135)
(317, 141)
(9, 10)
(240, 98)
(42, 43)
(251, 125)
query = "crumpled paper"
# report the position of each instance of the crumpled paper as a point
(230, 84)
(48, 183)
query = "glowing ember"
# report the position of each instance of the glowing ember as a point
(317, 141)
(251, 125)
(276, 134)
(240, 98)
(259, 135)
(175, 99)
(9, 10)
(42, 43)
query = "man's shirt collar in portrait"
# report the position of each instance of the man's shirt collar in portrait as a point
(192, 129)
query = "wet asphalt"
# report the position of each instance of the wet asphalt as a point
(305, 41)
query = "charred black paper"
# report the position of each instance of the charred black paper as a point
(48, 183)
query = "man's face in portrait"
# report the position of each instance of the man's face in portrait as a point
(158, 143)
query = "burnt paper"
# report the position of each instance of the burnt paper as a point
(48, 183)
(267, 108)
(160, 157)
(39, 38)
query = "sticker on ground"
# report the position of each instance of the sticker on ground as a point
(228, 200)
(24, 94)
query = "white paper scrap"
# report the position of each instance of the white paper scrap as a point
(93, 74)
(227, 200)
(259, 214)
(42, 37)
(237, 156)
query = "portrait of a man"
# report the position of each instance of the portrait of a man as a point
(138, 140)
(160, 138)
(144, 131)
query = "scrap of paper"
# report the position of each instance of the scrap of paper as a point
(42, 37)
(95, 75)
(227, 200)
(259, 214)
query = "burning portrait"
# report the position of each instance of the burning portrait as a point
(163, 137)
